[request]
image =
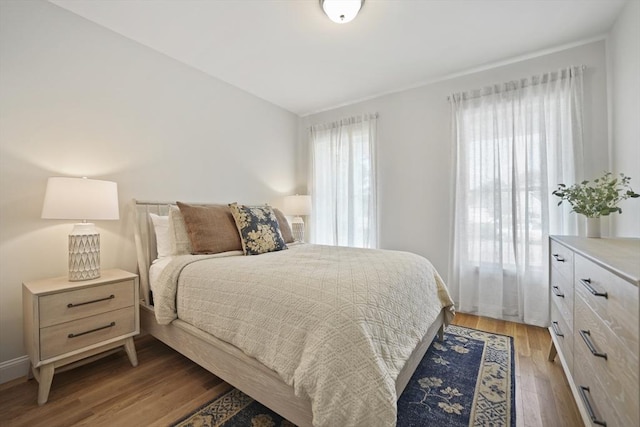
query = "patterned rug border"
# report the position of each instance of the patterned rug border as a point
(486, 368)
(474, 329)
(463, 331)
(243, 402)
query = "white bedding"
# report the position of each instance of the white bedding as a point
(156, 269)
(336, 323)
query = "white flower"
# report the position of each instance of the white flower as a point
(430, 382)
(455, 408)
(452, 392)
(440, 361)
(262, 420)
(460, 349)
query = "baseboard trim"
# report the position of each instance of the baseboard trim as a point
(14, 368)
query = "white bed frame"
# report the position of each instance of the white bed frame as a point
(223, 359)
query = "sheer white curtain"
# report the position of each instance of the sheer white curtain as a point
(513, 144)
(343, 182)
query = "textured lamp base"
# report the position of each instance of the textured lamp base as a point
(297, 229)
(84, 257)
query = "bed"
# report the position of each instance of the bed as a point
(304, 388)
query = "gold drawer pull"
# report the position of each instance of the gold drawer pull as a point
(556, 329)
(70, 305)
(558, 257)
(587, 284)
(586, 336)
(556, 292)
(110, 325)
(582, 389)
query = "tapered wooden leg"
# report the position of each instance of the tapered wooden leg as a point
(130, 348)
(45, 378)
(552, 352)
(441, 333)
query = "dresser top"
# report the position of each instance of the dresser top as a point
(619, 255)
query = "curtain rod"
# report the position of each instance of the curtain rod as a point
(339, 121)
(478, 93)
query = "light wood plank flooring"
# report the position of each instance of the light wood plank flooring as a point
(166, 386)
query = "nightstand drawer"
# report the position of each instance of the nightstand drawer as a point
(71, 305)
(67, 337)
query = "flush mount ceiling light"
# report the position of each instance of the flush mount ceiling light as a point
(341, 11)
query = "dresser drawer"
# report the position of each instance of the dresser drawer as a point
(67, 337)
(71, 305)
(562, 296)
(613, 299)
(592, 395)
(611, 373)
(562, 259)
(616, 409)
(564, 336)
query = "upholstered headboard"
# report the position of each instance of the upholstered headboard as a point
(145, 239)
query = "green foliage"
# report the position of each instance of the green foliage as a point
(598, 199)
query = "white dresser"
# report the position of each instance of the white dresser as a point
(595, 292)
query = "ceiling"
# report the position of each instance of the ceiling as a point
(289, 53)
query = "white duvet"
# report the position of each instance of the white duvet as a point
(335, 323)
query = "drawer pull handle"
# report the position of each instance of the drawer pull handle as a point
(582, 389)
(110, 325)
(586, 336)
(556, 329)
(556, 292)
(587, 284)
(70, 305)
(558, 257)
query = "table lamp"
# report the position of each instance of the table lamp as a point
(297, 206)
(82, 199)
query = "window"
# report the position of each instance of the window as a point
(513, 144)
(343, 182)
(504, 187)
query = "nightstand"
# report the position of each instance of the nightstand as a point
(67, 324)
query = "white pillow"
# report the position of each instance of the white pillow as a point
(180, 243)
(163, 239)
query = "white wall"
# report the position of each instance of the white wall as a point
(77, 99)
(414, 147)
(624, 54)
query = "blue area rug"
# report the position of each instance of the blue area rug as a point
(466, 380)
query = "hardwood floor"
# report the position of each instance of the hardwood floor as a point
(166, 386)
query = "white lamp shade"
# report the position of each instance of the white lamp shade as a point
(341, 11)
(297, 205)
(80, 199)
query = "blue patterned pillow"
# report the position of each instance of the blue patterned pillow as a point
(259, 229)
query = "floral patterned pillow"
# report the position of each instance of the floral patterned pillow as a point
(259, 229)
